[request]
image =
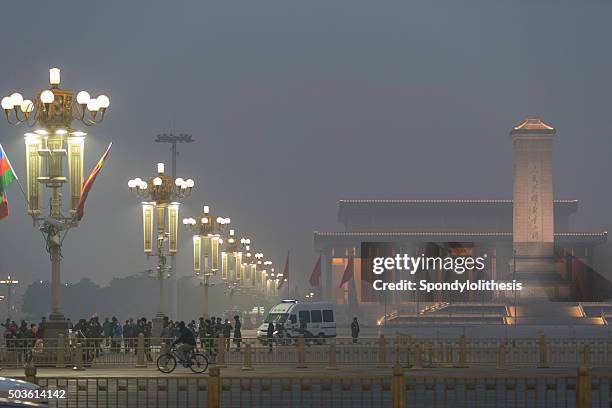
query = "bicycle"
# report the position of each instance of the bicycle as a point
(197, 362)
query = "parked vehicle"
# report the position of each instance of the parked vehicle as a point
(313, 319)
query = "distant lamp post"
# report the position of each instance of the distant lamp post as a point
(9, 282)
(309, 296)
(161, 210)
(206, 243)
(52, 143)
(233, 252)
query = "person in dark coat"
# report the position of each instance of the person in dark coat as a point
(227, 333)
(355, 330)
(270, 334)
(107, 330)
(237, 332)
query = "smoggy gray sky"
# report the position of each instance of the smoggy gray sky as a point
(295, 105)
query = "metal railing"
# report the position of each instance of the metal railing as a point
(395, 389)
(380, 351)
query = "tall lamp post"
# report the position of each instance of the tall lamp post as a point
(206, 242)
(52, 143)
(173, 139)
(159, 209)
(8, 282)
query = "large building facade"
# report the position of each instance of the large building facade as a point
(527, 237)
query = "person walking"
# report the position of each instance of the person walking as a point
(107, 331)
(270, 335)
(116, 335)
(227, 334)
(237, 332)
(355, 330)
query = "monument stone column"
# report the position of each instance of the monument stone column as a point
(533, 218)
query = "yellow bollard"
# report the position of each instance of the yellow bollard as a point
(61, 356)
(449, 355)
(140, 352)
(301, 352)
(221, 352)
(543, 351)
(247, 365)
(214, 388)
(332, 357)
(583, 388)
(78, 357)
(418, 356)
(382, 352)
(462, 363)
(501, 357)
(586, 356)
(398, 388)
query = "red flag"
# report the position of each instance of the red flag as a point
(285, 273)
(315, 276)
(89, 183)
(348, 273)
(4, 207)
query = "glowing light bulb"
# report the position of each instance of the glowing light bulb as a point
(47, 96)
(83, 97)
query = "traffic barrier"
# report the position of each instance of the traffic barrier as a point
(583, 388)
(78, 357)
(332, 357)
(301, 352)
(61, 358)
(140, 352)
(543, 352)
(248, 364)
(382, 352)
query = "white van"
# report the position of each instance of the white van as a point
(316, 318)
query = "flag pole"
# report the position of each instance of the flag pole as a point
(25, 196)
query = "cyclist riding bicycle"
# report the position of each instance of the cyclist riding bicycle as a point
(186, 342)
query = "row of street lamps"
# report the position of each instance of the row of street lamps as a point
(54, 157)
(216, 249)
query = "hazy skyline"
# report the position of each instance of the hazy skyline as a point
(295, 106)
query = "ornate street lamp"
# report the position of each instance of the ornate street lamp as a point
(51, 144)
(232, 267)
(206, 242)
(161, 209)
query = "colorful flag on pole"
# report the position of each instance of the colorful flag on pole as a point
(285, 273)
(7, 176)
(348, 273)
(315, 276)
(89, 183)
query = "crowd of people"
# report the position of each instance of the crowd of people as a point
(117, 337)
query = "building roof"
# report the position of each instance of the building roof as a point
(533, 125)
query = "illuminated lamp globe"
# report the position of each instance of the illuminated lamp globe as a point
(189, 183)
(17, 99)
(157, 181)
(7, 103)
(93, 105)
(27, 106)
(179, 182)
(47, 96)
(103, 101)
(83, 97)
